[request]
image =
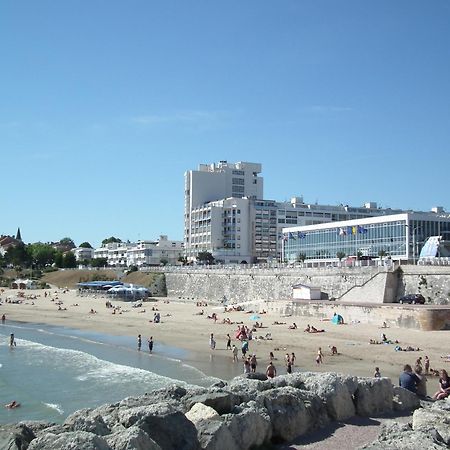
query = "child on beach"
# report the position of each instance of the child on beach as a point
(212, 342)
(377, 373)
(319, 357)
(235, 353)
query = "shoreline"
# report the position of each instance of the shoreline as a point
(182, 327)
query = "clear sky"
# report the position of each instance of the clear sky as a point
(104, 105)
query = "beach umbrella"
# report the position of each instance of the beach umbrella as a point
(255, 317)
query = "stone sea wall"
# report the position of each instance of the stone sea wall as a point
(360, 285)
(248, 412)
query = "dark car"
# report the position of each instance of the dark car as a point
(412, 298)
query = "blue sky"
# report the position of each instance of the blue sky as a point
(105, 104)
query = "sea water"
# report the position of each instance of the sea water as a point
(53, 371)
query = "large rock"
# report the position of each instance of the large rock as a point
(394, 436)
(167, 426)
(335, 390)
(373, 396)
(222, 401)
(215, 435)
(199, 412)
(405, 400)
(37, 426)
(247, 389)
(87, 420)
(433, 421)
(132, 439)
(72, 440)
(251, 427)
(287, 411)
(15, 437)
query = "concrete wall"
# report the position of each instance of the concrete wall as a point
(361, 285)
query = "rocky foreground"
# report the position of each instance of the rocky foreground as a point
(248, 412)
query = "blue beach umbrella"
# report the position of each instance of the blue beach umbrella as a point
(255, 317)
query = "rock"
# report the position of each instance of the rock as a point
(132, 438)
(335, 390)
(15, 437)
(394, 436)
(254, 376)
(165, 425)
(55, 429)
(215, 435)
(131, 416)
(37, 426)
(288, 413)
(434, 421)
(404, 400)
(251, 427)
(223, 402)
(373, 396)
(199, 412)
(79, 440)
(87, 420)
(247, 389)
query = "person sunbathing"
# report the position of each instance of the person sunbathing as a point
(293, 326)
(307, 329)
(315, 330)
(278, 323)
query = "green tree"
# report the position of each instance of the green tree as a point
(69, 260)
(42, 254)
(110, 240)
(99, 262)
(301, 257)
(85, 245)
(164, 261)
(18, 255)
(67, 242)
(340, 255)
(183, 260)
(205, 258)
(382, 253)
(359, 255)
(59, 259)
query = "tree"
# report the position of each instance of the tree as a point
(69, 260)
(59, 259)
(205, 258)
(99, 262)
(382, 253)
(110, 240)
(301, 257)
(18, 255)
(85, 245)
(340, 255)
(164, 261)
(67, 242)
(359, 255)
(183, 260)
(42, 254)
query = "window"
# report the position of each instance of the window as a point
(238, 172)
(239, 181)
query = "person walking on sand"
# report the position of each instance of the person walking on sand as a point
(235, 353)
(319, 357)
(139, 342)
(150, 344)
(228, 342)
(3, 318)
(212, 342)
(12, 340)
(271, 371)
(253, 363)
(427, 365)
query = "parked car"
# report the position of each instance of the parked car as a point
(412, 298)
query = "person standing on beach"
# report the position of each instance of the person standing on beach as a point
(3, 318)
(150, 344)
(228, 342)
(271, 371)
(139, 342)
(212, 342)
(427, 365)
(319, 357)
(253, 363)
(12, 341)
(235, 353)
(377, 373)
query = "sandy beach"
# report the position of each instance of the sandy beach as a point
(182, 326)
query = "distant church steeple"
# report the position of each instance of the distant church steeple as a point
(18, 235)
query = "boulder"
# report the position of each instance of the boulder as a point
(37, 426)
(132, 438)
(79, 440)
(222, 401)
(15, 437)
(199, 412)
(395, 436)
(373, 396)
(247, 389)
(87, 420)
(215, 435)
(434, 421)
(251, 427)
(405, 400)
(287, 411)
(165, 425)
(335, 390)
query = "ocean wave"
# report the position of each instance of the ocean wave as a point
(54, 406)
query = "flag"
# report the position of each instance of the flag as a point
(342, 232)
(291, 236)
(361, 229)
(349, 230)
(301, 235)
(354, 230)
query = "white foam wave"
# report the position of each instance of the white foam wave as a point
(55, 406)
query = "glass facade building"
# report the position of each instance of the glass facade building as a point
(398, 236)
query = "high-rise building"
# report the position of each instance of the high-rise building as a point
(209, 184)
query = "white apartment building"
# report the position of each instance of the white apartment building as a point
(154, 253)
(83, 253)
(141, 253)
(213, 182)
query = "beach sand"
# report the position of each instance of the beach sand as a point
(182, 327)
